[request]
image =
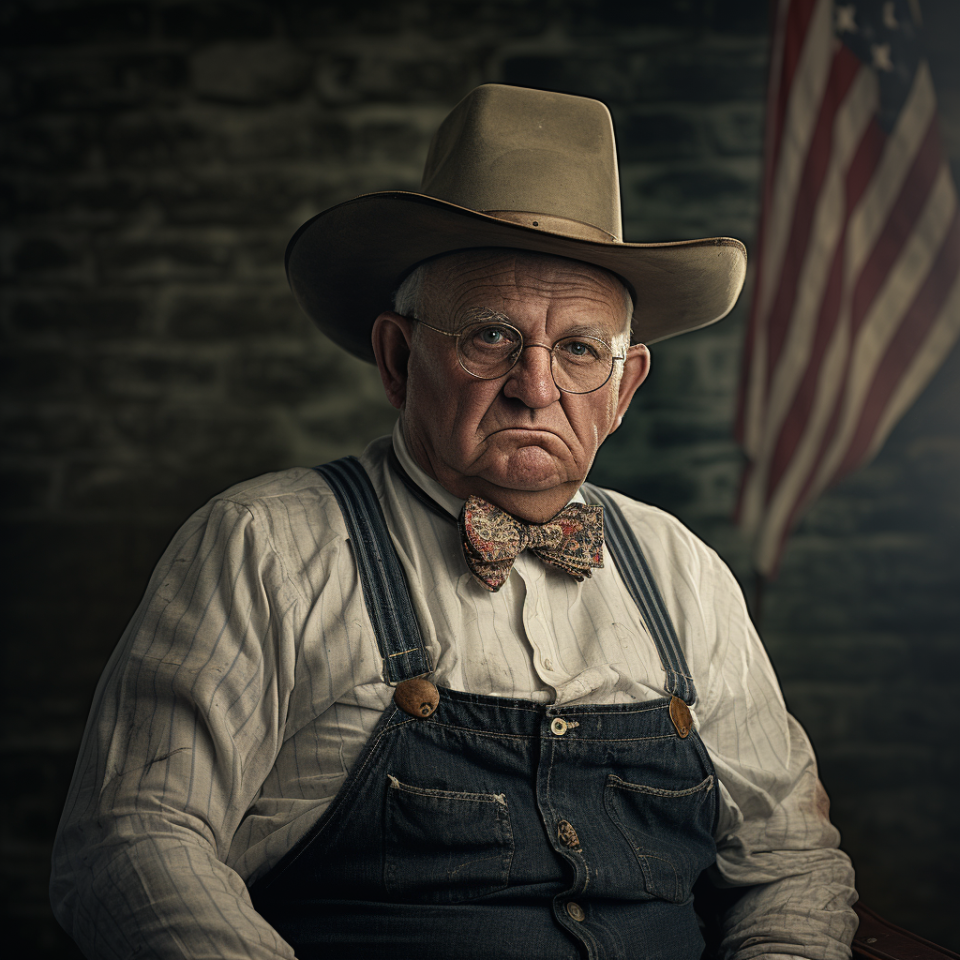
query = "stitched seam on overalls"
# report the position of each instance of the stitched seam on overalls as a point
(306, 842)
(577, 888)
(398, 784)
(608, 709)
(386, 593)
(470, 701)
(705, 786)
(537, 736)
(483, 733)
(581, 739)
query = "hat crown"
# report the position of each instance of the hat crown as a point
(520, 154)
(521, 170)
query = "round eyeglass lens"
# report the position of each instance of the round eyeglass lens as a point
(490, 350)
(581, 364)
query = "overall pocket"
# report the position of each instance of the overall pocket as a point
(669, 832)
(445, 846)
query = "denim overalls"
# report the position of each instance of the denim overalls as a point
(474, 826)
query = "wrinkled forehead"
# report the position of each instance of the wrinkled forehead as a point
(461, 282)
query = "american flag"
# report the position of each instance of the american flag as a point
(857, 299)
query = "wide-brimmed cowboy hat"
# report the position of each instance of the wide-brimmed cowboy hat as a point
(516, 168)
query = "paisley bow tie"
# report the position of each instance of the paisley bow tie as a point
(492, 539)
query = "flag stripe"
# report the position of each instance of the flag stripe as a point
(771, 141)
(895, 159)
(828, 221)
(889, 310)
(798, 19)
(827, 349)
(811, 473)
(821, 163)
(941, 339)
(905, 346)
(875, 429)
(856, 291)
(900, 222)
(821, 383)
(800, 116)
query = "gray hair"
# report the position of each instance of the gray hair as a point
(408, 300)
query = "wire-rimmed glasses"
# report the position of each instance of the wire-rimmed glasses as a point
(490, 349)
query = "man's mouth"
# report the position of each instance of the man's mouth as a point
(532, 431)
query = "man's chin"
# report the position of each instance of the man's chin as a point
(528, 469)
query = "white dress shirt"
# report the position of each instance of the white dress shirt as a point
(249, 680)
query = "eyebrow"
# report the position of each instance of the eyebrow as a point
(585, 329)
(478, 314)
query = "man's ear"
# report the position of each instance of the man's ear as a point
(636, 366)
(392, 337)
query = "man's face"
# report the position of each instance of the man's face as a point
(517, 440)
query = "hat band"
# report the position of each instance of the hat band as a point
(575, 229)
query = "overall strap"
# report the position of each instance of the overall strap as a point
(628, 556)
(384, 583)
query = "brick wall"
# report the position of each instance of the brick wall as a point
(156, 157)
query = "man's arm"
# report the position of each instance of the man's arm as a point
(775, 841)
(778, 849)
(777, 857)
(185, 725)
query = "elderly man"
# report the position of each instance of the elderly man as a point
(449, 700)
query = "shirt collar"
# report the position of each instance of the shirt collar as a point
(450, 504)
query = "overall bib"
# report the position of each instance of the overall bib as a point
(485, 827)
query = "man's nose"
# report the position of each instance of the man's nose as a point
(531, 379)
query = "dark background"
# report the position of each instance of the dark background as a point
(157, 155)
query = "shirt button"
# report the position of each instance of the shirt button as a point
(548, 664)
(576, 912)
(559, 727)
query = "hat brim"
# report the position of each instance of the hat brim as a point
(345, 264)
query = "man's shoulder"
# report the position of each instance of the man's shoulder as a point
(278, 485)
(637, 513)
(663, 538)
(296, 497)
(297, 491)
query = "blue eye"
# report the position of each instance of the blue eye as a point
(492, 335)
(587, 350)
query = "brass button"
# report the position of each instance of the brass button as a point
(576, 912)
(418, 697)
(680, 715)
(567, 835)
(559, 727)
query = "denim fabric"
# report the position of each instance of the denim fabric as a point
(489, 830)
(445, 840)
